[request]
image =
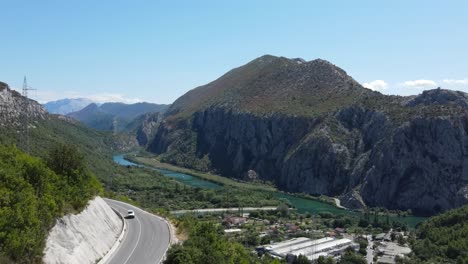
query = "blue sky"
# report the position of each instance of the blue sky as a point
(157, 50)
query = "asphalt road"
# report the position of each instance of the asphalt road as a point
(146, 239)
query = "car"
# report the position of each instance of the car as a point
(130, 214)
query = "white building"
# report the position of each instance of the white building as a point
(312, 249)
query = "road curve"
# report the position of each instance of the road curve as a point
(146, 239)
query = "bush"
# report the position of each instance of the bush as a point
(31, 197)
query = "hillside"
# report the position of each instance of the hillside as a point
(34, 193)
(66, 105)
(443, 239)
(47, 131)
(309, 127)
(272, 84)
(114, 116)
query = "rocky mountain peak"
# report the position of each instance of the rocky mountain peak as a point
(440, 97)
(275, 84)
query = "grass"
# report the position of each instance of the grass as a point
(156, 163)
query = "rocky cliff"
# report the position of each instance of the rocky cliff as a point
(309, 127)
(13, 107)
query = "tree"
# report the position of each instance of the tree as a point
(31, 197)
(283, 209)
(301, 259)
(350, 257)
(325, 260)
(67, 161)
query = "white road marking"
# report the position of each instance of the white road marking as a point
(138, 239)
(158, 218)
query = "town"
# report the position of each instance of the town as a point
(286, 235)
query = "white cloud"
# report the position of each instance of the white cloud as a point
(377, 85)
(456, 82)
(420, 84)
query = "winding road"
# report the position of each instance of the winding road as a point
(146, 240)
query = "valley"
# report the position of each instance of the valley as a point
(234, 132)
(277, 166)
(300, 204)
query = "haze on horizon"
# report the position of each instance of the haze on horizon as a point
(153, 51)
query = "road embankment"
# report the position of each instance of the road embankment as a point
(85, 237)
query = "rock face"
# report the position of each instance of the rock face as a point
(440, 97)
(396, 152)
(13, 106)
(83, 238)
(147, 125)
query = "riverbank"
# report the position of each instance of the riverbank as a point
(155, 163)
(303, 203)
(221, 210)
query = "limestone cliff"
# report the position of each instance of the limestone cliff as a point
(13, 107)
(308, 127)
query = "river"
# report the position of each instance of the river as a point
(302, 205)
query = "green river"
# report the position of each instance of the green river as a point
(302, 205)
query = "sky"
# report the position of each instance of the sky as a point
(155, 51)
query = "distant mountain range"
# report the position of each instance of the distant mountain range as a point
(308, 127)
(66, 105)
(114, 116)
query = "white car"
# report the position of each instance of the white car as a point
(130, 214)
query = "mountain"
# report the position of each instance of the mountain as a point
(275, 85)
(49, 130)
(65, 106)
(114, 116)
(309, 127)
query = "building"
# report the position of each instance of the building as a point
(232, 231)
(390, 250)
(234, 220)
(312, 249)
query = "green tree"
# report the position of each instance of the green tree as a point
(301, 259)
(31, 197)
(283, 209)
(325, 260)
(350, 257)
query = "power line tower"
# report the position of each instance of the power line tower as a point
(24, 139)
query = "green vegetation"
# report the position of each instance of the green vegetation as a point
(350, 257)
(33, 193)
(154, 162)
(55, 130)
(154, 191)
(206, 244)
(325, 260)
(442, 239)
